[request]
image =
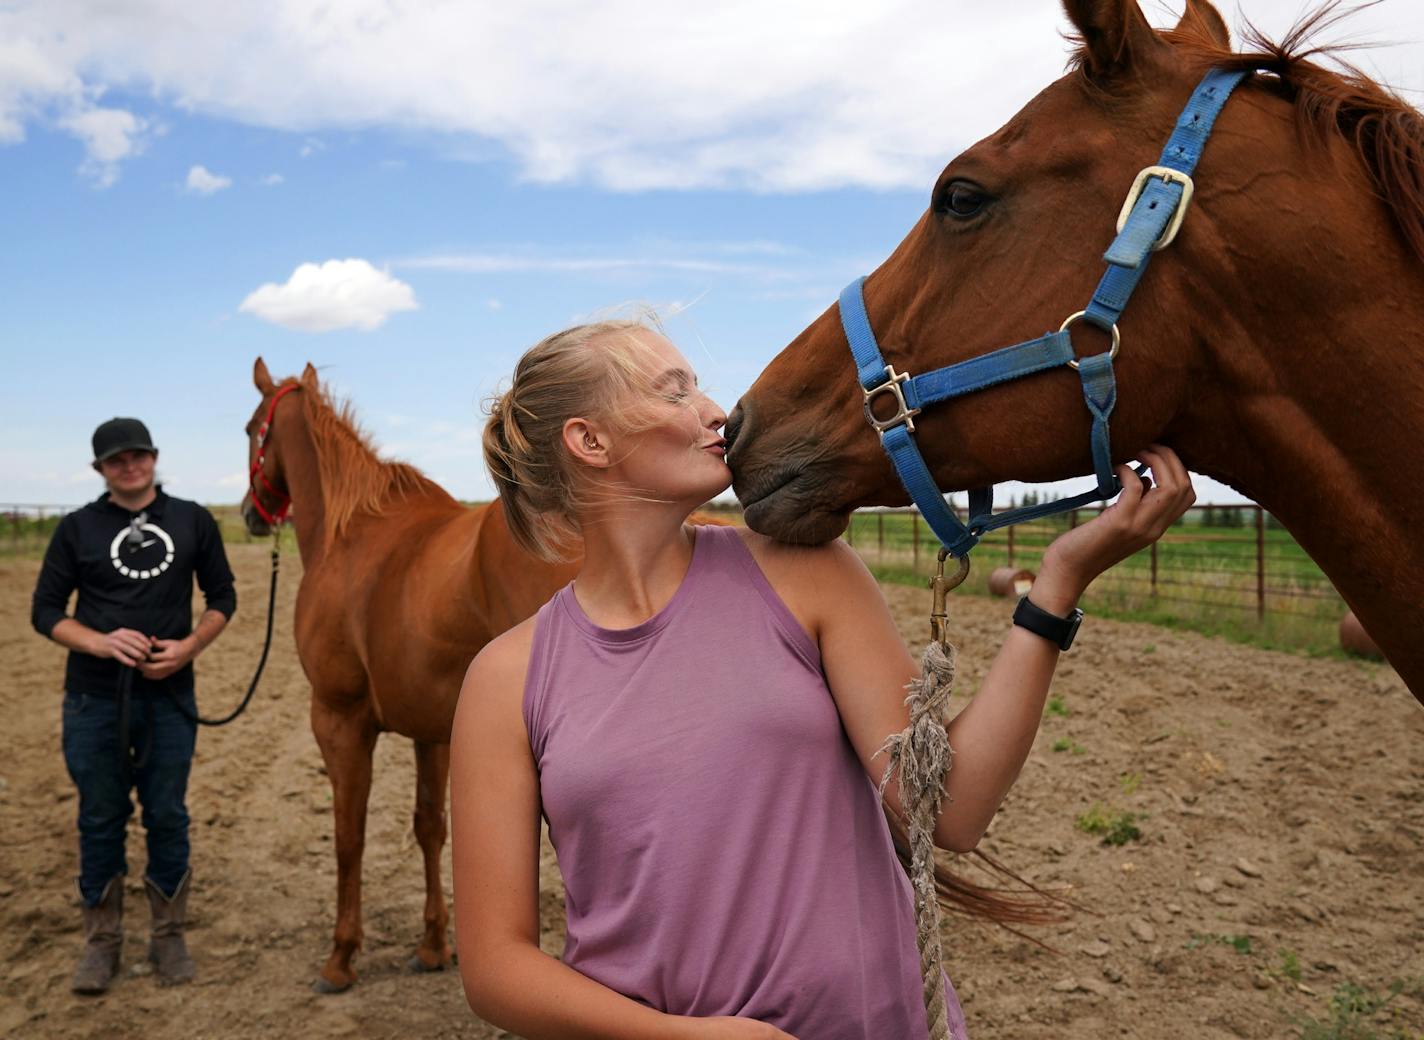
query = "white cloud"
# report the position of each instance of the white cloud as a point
(272, 180)
(494, 304)
(110, 135)
(337, 294)
(628, 94)
(202, 181)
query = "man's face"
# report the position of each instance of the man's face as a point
(128, 472)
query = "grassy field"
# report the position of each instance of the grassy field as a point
(1210, 576)
(1206, 570)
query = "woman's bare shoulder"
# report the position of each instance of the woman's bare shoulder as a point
(495, 678)
(801, 566)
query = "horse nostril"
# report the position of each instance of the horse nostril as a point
(733, 426)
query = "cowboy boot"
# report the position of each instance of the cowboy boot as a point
(166, 949)
(103, 939)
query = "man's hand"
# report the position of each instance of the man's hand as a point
(122, 644)
(167, 657)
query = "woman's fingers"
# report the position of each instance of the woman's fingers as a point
(1174, 487)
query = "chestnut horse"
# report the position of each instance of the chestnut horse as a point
(1275, 345)
(401, 587)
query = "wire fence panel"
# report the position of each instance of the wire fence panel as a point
(1219, 567)
(28, 527)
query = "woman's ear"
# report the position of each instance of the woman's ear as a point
(588, 443)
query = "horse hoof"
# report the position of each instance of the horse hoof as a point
(327, 988)
(416, 964)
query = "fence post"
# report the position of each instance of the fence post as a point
(1072, 518)
(1154, 568)
(1260, 562)
(850, 530)
(915, 535)
(1011, 545)
(880, 533)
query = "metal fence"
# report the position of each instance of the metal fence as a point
(1218, 560)
(28, 526)
(1232, 558)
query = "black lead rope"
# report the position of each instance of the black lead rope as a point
(126, 674)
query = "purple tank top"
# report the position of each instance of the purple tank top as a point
(722, 848)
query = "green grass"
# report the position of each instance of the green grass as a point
(1357, 1013)
(1240, 943)
(1114, 826)
(27, 537)
(1290, 965)
(1206, 578)
(1056, 706)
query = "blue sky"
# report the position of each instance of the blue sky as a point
(462, 180)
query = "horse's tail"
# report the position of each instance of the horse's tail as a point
(1022, 904)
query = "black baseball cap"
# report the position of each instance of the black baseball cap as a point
(118, 435)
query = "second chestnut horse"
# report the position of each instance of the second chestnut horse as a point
(401, 586)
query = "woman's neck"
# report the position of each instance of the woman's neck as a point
(635, 557)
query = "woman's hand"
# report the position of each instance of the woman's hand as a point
(1137, 519)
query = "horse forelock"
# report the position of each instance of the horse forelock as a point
(354, 479)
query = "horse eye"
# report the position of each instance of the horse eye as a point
(963, 200)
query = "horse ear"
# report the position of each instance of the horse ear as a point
(1205, 20)
(262, 379)
(1115, 34)
(309, 376)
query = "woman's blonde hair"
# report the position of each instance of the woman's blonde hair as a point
(596, 371)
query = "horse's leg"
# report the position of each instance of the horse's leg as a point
(432, 773)
(347, 737)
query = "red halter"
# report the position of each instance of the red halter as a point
(277, 516)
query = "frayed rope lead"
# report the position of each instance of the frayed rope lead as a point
(923, 756)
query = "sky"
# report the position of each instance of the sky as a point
(408, 195)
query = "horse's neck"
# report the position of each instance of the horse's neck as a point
(1315, 411)
(303, 474)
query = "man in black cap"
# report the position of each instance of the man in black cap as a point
(129, 702)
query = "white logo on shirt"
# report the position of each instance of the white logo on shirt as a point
(144, 564)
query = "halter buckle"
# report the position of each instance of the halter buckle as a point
(903, 413)
(1139, 184)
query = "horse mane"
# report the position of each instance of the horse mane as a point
(1386, 131)
(354, 479)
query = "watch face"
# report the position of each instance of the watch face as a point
(141, 550)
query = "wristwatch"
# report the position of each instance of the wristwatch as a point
(1057, 630)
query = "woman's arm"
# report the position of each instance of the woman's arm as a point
(495, 809)
(867, 665)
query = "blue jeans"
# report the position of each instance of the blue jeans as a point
(105, 780)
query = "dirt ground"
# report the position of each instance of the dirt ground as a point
(1280, 802)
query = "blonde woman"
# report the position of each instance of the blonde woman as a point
(698, 715)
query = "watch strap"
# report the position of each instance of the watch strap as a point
(1059, 631)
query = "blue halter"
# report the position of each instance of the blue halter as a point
(1150, 219)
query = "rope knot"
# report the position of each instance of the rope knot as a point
(922, 756)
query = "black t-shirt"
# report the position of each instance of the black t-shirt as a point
(133, 570)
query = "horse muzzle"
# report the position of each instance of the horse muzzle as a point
(792, 488)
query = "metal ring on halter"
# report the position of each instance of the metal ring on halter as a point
(1116, 336)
